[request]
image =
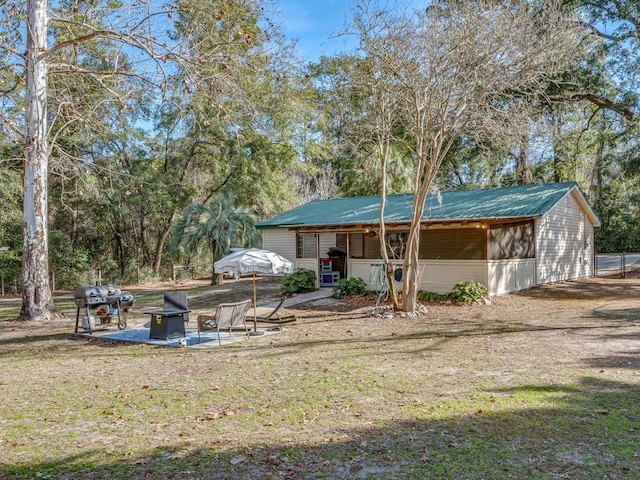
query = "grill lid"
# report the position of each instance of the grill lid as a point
(101, 294)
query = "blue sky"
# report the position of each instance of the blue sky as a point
(313, 22)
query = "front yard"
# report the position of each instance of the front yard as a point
(542, 384)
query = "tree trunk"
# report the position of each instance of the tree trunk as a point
(162, 240)
(411, 272)
(524, 168)
(37, 301)
(383, 120)
(216, 278)
(558, 156)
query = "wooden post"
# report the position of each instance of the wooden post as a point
(255, 321)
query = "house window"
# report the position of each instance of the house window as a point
(307, 246)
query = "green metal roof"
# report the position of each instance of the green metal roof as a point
(523, 201)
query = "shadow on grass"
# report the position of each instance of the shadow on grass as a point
(444, 331)
(340, 324)
(586, 289)
(583, 431)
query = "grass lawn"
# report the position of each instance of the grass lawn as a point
(544, 384)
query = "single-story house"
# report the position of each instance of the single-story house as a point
(508, 238)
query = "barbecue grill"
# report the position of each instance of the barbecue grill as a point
(108, 300)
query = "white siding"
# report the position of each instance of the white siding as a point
(362, 269)
(280, 241)
(441, 275)
(435, 275)
(499, 276)
(560, 243)
(510, 275)
(589, 253)
(309, 264)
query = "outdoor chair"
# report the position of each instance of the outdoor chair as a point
(177, 300)
(228, 316)
(274, 316)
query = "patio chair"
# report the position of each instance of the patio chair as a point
(274, 316)
(176, 300)
(228, 316)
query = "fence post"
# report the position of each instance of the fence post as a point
(624, 266)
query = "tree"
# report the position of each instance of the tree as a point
(37, 301)
(615, 59)
(220, 225)
(344, 135)
(115, 60)
(460, 68)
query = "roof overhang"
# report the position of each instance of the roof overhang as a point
(425, 225)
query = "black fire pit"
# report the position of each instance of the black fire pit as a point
(108, 301)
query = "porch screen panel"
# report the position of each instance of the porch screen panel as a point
(512, 241)
(341, 242)
(364, 246)
(356, 245)
(453, 244)
(371, 247)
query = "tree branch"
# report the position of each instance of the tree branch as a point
(607, 104)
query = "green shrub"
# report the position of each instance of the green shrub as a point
(301, 280)
(468, 292)
(348, 287)
(432, 297)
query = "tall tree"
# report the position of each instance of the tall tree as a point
(201, 46)
(37, 301)
(460, 68)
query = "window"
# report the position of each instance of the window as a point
(307, 246)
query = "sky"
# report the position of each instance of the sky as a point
(313, 22)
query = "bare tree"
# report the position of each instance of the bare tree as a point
(460, 68)
(382, 122)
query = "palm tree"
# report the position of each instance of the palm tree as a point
(220, 223)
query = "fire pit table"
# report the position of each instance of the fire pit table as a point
(166, 324)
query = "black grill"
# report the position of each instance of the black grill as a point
(109, 300)
(126, 300)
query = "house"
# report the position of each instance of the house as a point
(508, 238)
